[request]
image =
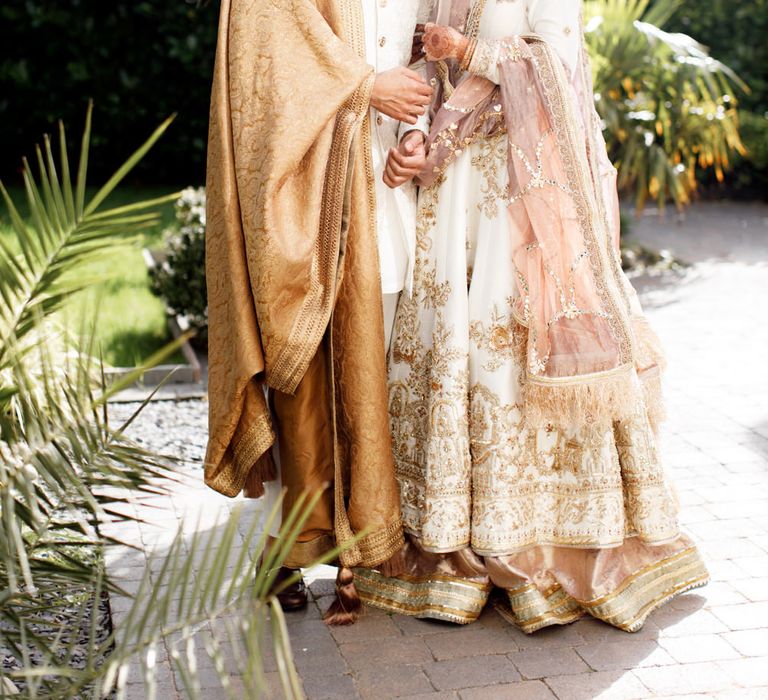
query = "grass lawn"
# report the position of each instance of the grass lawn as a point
(131, 323)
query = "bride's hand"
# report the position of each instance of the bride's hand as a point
(442, 42)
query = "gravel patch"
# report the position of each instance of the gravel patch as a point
(68, 617)
(178, 429)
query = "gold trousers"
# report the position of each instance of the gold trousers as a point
(305, 441)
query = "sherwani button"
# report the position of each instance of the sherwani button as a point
(382, 41)
(379, 120)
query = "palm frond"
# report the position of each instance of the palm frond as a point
(669, 108)
(66, 233)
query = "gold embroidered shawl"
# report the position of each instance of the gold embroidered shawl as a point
(290, 239)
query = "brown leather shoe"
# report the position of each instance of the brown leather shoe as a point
(294, 597)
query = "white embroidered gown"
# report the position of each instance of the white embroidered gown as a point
(559, 518)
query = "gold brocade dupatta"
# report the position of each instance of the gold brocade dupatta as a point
(587, 341)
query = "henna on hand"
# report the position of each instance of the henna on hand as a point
(441, 43)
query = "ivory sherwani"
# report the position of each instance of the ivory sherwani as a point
(389, 29)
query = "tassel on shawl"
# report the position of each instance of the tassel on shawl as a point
(345, 609)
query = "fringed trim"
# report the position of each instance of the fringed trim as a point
(653, 397)
(373, 549)
(599, 397)
(264, 470)
(240, 458)
(648, 350)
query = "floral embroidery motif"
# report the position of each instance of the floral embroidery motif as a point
(491, 161)
(501, 338)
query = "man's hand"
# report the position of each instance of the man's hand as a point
(442, 42)
(406, 161)
(400, 93)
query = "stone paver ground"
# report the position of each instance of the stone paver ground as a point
(712, 642)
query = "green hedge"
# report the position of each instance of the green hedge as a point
(138, 61)
(736, 33)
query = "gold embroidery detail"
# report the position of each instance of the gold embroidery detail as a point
(470, 470)
(491, 160)
(538, 180)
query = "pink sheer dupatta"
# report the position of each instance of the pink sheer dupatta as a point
(588, 345)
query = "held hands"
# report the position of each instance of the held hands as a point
(406, 161)
(441, 43)
(400, 93)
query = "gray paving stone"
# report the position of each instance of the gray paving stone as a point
(751, 672)
(392, 681)
(699, 647)
(370, 626)
(677, 623)
(525, 690)
(624, 653)
(605, 685)
(329, 687)
(273, 686)
(743, 617)
(414, 626)
(754, 589)
(478, 642)
(404, 651)
(749, 642)
(546, 663)
(552, 637)
(320, 662)
(592, 631)
(757, 693)
(458, 674)
(685, 678)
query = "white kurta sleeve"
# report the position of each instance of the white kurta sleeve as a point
(423, 15)
(555, 21)
(422, 122)
(558, 23)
